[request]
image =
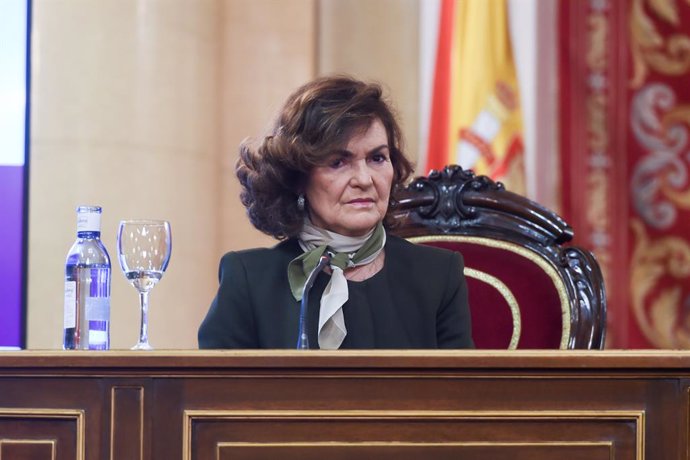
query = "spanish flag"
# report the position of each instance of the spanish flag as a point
(475, 106)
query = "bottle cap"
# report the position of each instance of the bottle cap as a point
(89, 219)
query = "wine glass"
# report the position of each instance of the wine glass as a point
(143, 247)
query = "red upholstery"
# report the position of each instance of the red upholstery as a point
(541, 310)
(527, 288)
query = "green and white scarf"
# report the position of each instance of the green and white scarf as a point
(346, 252)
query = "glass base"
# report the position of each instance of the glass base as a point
(142, 346)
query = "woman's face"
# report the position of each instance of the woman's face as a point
(349, 193)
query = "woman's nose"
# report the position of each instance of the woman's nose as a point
(361, 175)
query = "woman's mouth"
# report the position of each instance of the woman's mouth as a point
(361, 202)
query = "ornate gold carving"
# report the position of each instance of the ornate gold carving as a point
(597, 122)
(596, 52)
(675, 116)
(523, 252)
(665, 9)
(650, 49)
(598, 217)
(658, 308)
(598, 199)
(679, 114)
(508, 296)
(597, 214)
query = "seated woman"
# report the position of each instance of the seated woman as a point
(321, 183)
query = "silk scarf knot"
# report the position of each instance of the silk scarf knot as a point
(346, 252)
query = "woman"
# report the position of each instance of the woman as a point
(322, 182)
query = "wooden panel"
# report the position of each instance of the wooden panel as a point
(38, 433)
(243, 405)
(127, 423)
(58, 403)
(27, 449)
(389, 433)
(481, 394)
(412, 451)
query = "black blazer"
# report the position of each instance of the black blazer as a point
(417, 300)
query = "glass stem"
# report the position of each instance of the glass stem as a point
(144, 329)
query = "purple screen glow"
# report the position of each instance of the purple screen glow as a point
(14, 83)
(11, 260)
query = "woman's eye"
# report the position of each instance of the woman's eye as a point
(379, 158)
(338, 162)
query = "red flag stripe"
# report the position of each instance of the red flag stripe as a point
(438, 155)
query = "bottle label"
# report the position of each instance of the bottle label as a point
(98, 309)
(97, 337)
(70, 318)
(88, 222)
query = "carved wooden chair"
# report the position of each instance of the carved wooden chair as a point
(526, 288)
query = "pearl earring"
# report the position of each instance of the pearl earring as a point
(300, 202)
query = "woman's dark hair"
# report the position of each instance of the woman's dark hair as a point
(315, 120)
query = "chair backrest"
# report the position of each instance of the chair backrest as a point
(526, 288)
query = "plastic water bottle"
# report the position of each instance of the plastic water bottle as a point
(87, 286)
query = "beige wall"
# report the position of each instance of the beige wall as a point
(268, 49)
(138, 105)
(123, 104)
(376, 40)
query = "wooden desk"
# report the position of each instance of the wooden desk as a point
(343, 405)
